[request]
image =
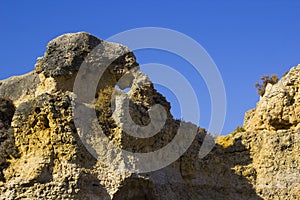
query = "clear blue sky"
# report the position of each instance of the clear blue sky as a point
(246, 39)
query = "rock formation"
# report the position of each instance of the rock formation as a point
(43, 156)
(279, 107)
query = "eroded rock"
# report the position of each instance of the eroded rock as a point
(279, 108)
(43, 155)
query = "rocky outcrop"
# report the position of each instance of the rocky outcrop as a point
(46, 155)
(279, 107)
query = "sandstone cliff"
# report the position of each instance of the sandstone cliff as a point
(43, 156)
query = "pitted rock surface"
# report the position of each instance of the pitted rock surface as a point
(42, 155)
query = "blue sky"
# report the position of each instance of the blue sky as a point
(246, 39)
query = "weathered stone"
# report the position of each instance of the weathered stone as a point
(279, 107)
(20, 88)
(43, 156)
(65, 54)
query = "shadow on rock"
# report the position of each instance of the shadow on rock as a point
(7, 140)
(225, 173)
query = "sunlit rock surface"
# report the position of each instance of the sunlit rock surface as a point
(42, 155)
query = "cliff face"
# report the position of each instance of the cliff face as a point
(279, 107)
(43, 154)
